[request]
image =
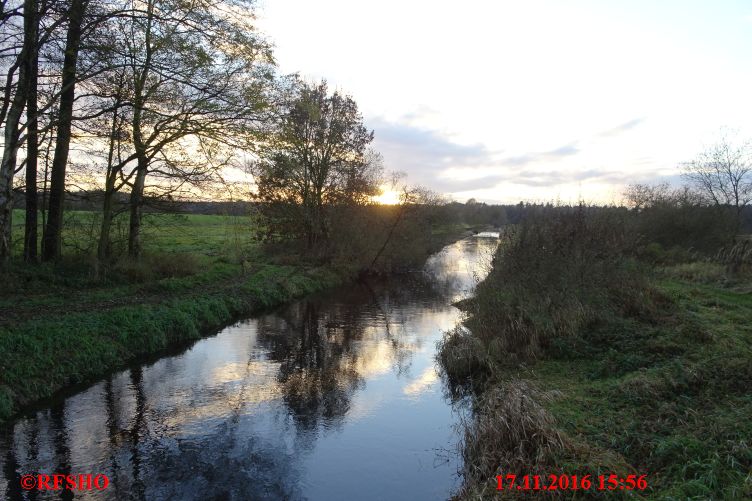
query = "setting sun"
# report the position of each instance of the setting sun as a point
(387, 197)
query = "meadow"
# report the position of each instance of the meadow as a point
(73, 320)
(581, 359)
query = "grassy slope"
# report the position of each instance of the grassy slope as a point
(671, 398)
(62, 325)
(42, 354)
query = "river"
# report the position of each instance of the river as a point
(332, 397)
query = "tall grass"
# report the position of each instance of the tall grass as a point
(560, 270)
(650, 379)
(554, 273)
(510, 432)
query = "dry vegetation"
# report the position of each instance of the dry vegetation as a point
(590, 349)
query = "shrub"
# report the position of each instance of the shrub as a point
(157, 266)
(559, 270)
(679, 218)
(463, 357)
(510, 432)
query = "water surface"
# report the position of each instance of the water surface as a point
(332, 397)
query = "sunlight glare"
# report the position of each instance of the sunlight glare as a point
(387, 197)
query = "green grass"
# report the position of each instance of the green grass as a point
(64, 323)
(203, 234)
(40, 354)
(670, 398)
(643, 371)
(70, 322)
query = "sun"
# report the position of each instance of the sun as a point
(387, 197)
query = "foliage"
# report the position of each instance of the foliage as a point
(158, 98)
(640, 379)
(678, 220)
(316, 159)
(555, 273)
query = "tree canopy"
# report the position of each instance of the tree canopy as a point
(316, 157)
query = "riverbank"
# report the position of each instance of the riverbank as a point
(67, 324)
(580, 361)
(42, 354)
(668, 399)
(320, 387)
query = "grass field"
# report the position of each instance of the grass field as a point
(181, 252)
(671, 399)
(667, 396)
(71, 321)
(210, 235)
(581, 359)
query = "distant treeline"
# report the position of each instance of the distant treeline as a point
(92, 201)
(471, 212)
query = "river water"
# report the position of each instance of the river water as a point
(332, 397)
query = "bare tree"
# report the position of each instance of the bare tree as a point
(14, 103)
(723, 174)
(52, 232)
(317, 158)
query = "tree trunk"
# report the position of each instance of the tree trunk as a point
(12, 135)
(52, 233)
(7, 168)
(137, 190)
(104, 246)
(32, 141)
(136, 201)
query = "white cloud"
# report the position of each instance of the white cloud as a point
(612, 91)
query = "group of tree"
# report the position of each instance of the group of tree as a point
(316, 177)
(711, 210)
(150, 97)
(130, 102)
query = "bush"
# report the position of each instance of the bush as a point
(157, 266)
(463, 357)
(679, 219)
(561, 269)
(510, 432)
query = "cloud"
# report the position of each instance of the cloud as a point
(435, 161)
(625, 127)
(551, 177)
(427, 155)
(422, 153)
(527, 158)
(563, 151)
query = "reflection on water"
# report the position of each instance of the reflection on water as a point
(488, 234)
(334, 397)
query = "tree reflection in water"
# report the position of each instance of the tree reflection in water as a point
(243, 415)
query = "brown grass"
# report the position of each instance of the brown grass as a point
(463, 357)
(510, 432)
(560, 270)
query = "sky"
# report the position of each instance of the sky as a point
(535, 100)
